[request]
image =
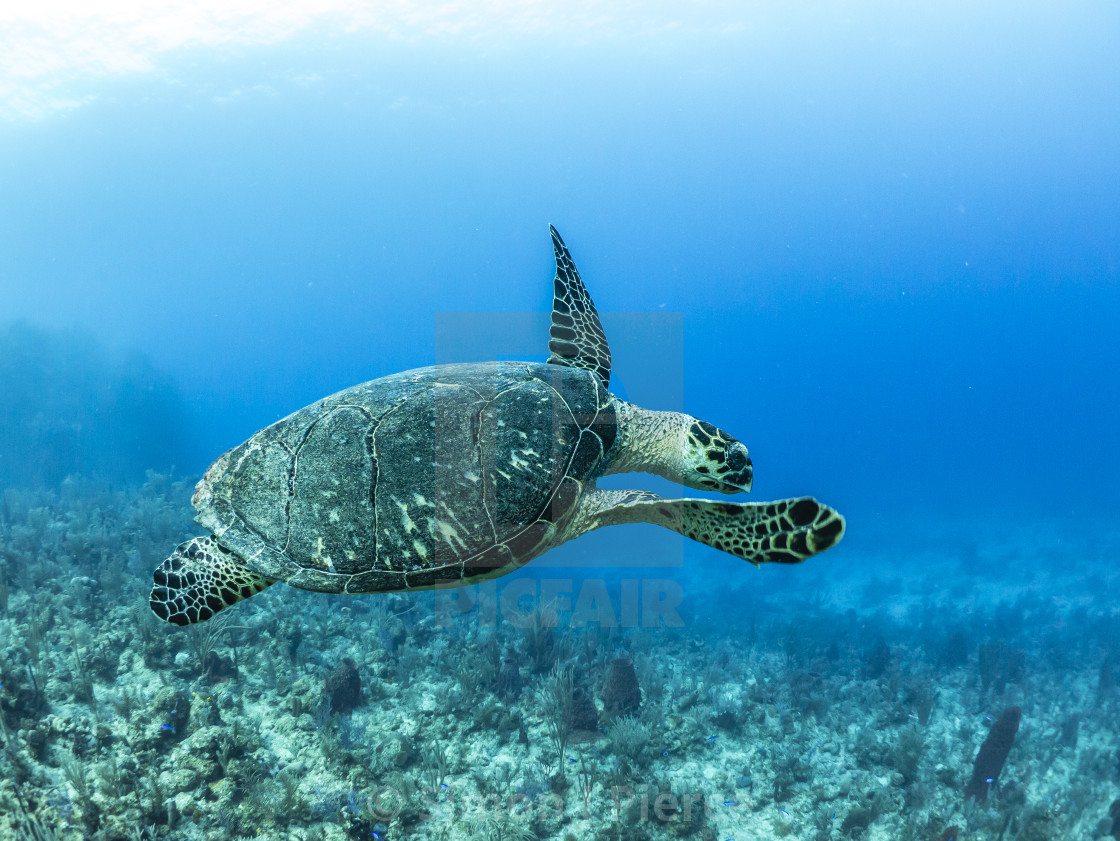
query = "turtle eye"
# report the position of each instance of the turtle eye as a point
(737, 459)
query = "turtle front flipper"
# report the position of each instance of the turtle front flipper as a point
(786, 531)
(199, 579)
(576, 338)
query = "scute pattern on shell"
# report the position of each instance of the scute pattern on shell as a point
(423, 478)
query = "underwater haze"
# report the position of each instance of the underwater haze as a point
(878, 243)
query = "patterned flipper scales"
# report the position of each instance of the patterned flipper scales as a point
(199, 579)
(576, 338)
(786, 531)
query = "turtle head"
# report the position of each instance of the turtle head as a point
(715, 460)
(680, 448)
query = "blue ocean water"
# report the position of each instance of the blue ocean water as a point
(876, 242)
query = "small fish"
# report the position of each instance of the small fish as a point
(730, 802)
(710, 739)
(167, 727)
(784, 813)
(444, 785)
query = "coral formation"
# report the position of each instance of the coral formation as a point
(999, 664)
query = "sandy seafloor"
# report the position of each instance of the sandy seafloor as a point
(849, 708)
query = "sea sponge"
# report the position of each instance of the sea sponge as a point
(993, 753)
(344, 687)
(621, 695)
(585, 717)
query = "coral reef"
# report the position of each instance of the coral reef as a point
(307, 716)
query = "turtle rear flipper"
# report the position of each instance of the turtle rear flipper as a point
(199, 579)
(786, 531)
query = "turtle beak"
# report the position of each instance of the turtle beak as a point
(745, 478)
(741, 476)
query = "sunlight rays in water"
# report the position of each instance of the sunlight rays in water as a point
(53, 53)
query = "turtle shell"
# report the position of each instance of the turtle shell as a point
(427, 478)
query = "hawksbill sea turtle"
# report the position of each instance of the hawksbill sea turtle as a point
(452, 474)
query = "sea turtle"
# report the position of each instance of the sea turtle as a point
(452, 474)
